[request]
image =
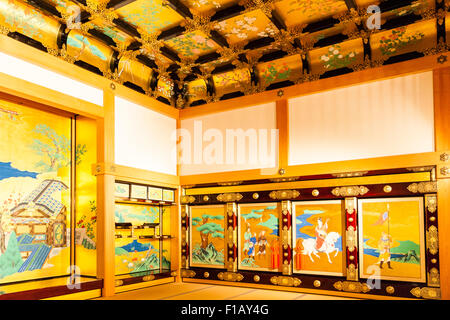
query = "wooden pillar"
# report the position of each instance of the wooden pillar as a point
(282, 112)
(441, 84)
(175, 243)
(184, 236)
(104, 170)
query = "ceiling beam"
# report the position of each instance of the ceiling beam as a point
(277, 20)
(180, 8)
(169, 53)
(127, 28)
(171, 33)
(228, 13)
(117, 4)
(45, 6)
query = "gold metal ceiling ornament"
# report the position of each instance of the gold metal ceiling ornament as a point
(199, 22)
(266, 6)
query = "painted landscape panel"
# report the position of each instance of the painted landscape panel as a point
(35, 162)
(391, 239)
(318, 227)
(207, 244)
(259, 245)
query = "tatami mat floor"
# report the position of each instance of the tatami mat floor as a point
(194, 291)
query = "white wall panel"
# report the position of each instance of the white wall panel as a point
(30, 72)
(383, 118)
(144, 138)
(208, 141)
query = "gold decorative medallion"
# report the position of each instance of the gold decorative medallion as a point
(433, 277)
(118, 283)
(426, 293)
(284, 194)
(206, 274)
(445, 171)
(187, 199)
(423, 187)
(229, 197)
(205, 198)
(387, 189)
(431, 203)
(316, 283)
(186, 273)
(256, 278)
(148, 278)
(230, 276)
(351, 238)
(390, 289)
(286, 281)
(352, 191)
(174, 273)
(255, 196)
(315, 193)
(351, 286)
(432, 240)
(352, 273)
(444, 157)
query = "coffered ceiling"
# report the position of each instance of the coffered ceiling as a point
(191, 52)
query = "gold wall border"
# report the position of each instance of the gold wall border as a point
(426, 293)
(231, 237)
(286, 236)
(351, 238)
(184, 236)
(230, 276)
(286, 281)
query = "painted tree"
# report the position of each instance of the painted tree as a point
(207, 228)
(56, 148)
(10, 260)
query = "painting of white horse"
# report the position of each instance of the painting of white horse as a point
(328, 246)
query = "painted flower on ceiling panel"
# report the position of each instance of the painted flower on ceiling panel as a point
(398, 39)
(150, 16)
(295, 12)
(192, 44)
(24, 19)
(335, 59)
(246, 27)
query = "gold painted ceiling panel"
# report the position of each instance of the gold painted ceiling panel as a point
(190, 52)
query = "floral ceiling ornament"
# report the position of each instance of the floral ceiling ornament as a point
(150, 42)
(442, 59)
(199, 22)
(266, 6)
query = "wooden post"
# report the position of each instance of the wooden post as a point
(282, 116)
(104, 171)
(175, 243)
(441, 83)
